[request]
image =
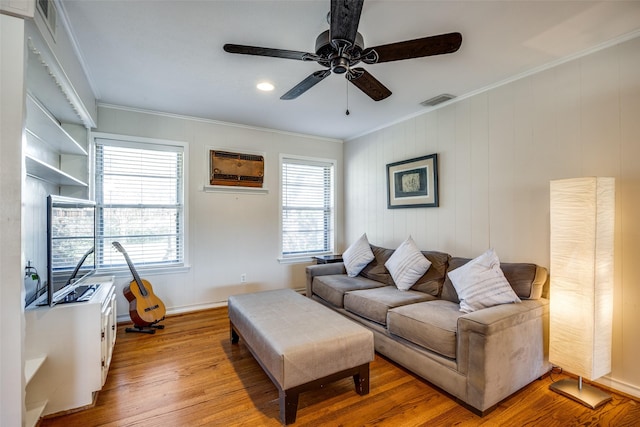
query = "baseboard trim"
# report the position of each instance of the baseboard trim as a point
(124, 318)
(621, 387)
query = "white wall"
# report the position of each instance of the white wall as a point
(497, 152)
(12, 91)
(229, 234)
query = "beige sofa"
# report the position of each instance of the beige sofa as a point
(480, 357)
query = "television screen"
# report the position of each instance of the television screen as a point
(71, 225)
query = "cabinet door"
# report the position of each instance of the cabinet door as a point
(106, 315)
(109, 322)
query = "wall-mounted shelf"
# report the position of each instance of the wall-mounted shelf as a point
(44, 126)
(31, 366)
(33, 413)
(234, 190)
(41, 170)
(34, 410)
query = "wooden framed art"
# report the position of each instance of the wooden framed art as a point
(413, 183)
(236, 169)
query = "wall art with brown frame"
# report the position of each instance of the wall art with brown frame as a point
(413, 183)
(233, 169)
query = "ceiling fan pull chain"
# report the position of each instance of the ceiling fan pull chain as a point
(347, 112)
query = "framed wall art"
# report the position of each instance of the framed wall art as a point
(236, 169)
(413, 183)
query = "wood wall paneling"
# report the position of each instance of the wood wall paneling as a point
(497, 152)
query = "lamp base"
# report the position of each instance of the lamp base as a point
(589, 396)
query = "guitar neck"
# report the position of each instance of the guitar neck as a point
(136, 277)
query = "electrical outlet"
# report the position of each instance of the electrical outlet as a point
(243, 277)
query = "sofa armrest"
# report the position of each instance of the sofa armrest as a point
(322, 270)
(503, 348)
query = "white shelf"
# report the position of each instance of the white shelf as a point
(43, 125)
(41, 170)
(33, 413)
(31, 366)
(234, 189)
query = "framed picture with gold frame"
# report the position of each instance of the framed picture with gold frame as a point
(413, 183)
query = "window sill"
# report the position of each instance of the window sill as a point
(301, 259)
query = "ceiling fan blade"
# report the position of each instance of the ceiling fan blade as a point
(266, 51)
(306, 84)
(345, 17)
(426, 46)
(364, 81)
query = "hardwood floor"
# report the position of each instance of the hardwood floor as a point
(189, 374)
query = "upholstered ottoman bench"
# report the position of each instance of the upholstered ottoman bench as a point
(300, 343)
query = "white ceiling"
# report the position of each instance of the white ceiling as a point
(167, 55)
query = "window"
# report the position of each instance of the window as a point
(307, 206)
(140, 202)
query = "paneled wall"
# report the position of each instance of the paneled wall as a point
(497, 152)
(228, 234)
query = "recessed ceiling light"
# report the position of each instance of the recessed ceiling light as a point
(265, 86)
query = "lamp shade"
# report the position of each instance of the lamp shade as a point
(581, 288)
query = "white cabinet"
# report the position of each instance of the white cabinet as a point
(73, 344)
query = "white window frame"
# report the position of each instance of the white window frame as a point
(307, 257)
(140, 142)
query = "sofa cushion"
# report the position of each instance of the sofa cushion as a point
(357, 256)
(407, 265)
(431, 324)
(376, 270)
(332, 288)
(527, 280)
(480, 283)
(431, 282)
(373, 304)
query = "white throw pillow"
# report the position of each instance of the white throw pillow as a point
(407, 264)
(357, 256)
(480, 283)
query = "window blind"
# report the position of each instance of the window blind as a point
(139, 197)
(307, 207)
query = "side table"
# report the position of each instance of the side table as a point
(327, 259)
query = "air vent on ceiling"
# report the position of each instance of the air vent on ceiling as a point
(437, 100)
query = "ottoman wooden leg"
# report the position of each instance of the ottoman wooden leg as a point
(234, 335)
(288, 400)
(361, 380)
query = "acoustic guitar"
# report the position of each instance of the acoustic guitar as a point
(145, 308)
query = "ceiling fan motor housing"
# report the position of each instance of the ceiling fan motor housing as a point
(339, 62)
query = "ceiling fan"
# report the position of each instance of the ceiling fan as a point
(341, 48)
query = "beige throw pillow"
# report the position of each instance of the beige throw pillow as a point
(480, 283)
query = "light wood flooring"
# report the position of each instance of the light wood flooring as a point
(189, 374)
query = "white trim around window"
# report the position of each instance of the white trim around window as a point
(158, 145)
(307, 207)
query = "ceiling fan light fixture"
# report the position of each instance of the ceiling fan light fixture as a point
(265, 86)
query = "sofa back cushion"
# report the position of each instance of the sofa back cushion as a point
(376, 270)
(527, 280)
(431, 282)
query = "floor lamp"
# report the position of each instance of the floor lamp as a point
(581, 289)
